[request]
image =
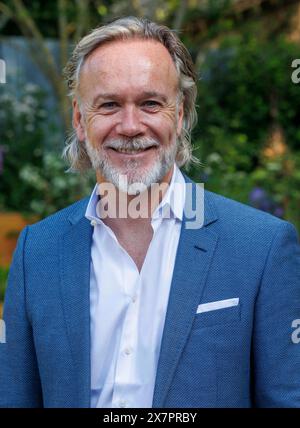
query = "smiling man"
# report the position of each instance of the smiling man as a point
(109, 306)
(131, 114)
(128, 114)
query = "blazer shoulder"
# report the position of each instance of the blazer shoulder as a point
(239, 216)
(59, 222)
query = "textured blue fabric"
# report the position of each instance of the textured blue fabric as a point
(241, 356)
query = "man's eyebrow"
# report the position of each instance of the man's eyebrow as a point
(114, 96)
(103, 96)
(154, 94)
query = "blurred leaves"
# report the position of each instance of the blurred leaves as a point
(246, 102)
(3, 281)
(33, 177)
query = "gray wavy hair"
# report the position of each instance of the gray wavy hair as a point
(123, 29)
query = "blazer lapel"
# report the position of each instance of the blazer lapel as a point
(75, 286)
(194, 255)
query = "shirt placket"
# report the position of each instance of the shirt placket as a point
(124, 373)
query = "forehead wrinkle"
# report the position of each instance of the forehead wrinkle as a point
(108, 61)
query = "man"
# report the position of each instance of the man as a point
(106, 308)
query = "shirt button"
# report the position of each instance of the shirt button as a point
(122, 403)
(127, 351)
(93, 222)
(134, 298)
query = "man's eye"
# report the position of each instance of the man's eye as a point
(109, 105)
(151, 103)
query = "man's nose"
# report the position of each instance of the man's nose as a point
(130, 124)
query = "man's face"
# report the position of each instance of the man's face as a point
(128, 115)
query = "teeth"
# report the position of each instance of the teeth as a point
(130, 151)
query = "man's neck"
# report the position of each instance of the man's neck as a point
(135, 233)
(124, 208)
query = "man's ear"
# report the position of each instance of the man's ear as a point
(179, 119)
(78, 122)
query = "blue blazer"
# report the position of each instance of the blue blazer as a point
(239, 356)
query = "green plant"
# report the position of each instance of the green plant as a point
(3, 280)
(23, 121)
(246, 92)
(33, 178)
(52, 187)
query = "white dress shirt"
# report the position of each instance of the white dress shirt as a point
(128, 307)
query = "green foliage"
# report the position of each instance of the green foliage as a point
(33, 177)
(53, 188)
(239, 82)
(246, 89)
(21, 136)
(3, 280)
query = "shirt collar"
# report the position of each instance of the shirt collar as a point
(172, 202)
(91, 213)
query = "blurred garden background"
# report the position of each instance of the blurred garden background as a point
(248, 131)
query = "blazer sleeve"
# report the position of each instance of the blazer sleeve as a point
(19, 376)
(276, 356)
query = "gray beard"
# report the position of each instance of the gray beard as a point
(134, 172)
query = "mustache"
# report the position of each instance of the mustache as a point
(132, 143)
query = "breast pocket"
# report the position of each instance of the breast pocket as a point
(217, 317)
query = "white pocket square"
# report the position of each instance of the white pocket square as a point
(219, 304)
